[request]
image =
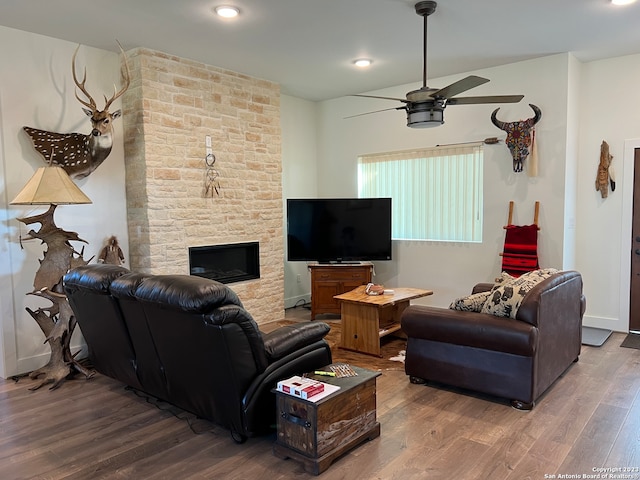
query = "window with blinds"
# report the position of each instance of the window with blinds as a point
(436, 192)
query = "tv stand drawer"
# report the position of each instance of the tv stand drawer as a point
(328, 281)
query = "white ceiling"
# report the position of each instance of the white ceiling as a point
(307, 46)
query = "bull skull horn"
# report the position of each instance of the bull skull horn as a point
(501, 125)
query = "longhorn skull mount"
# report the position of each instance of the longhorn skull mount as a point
(519, 135)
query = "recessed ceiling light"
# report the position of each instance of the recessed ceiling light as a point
(362, 62)
(227, 11)
(622, 2)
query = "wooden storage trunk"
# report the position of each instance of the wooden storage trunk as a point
(316, 433)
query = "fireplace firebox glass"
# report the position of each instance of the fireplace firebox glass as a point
(230, 263)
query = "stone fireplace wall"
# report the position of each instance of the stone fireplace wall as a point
(171, 105)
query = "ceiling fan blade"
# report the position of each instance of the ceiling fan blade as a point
(486, 99)
(383, 98)
(460, 86)
(376, 111)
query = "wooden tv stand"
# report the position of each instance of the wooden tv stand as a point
(329, 280)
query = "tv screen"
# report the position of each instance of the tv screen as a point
(338, 229)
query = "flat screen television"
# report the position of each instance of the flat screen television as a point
(335, 230)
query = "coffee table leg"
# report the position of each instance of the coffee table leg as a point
(360, 328)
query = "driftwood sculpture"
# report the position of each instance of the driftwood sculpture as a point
(56, 322)
(605, 174)
(76, 153)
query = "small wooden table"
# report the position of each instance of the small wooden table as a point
(317, 433)
(368, 318)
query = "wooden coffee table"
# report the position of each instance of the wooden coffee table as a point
(368, 318)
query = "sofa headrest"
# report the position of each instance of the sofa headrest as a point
(185, 292)
(126, 285)
(96, 277)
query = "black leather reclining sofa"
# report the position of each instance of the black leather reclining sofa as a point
(188, 340)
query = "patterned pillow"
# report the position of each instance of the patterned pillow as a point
(471, 303)
(475, 302)
(505, 300)
(502, 279)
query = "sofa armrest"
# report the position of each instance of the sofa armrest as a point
(482, 287)
(288, 339)
(469, 329)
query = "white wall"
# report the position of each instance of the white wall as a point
(37, 90)
(451, 269)
(610, 111)
(299, 180)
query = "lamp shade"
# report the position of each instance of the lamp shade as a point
(50, 185)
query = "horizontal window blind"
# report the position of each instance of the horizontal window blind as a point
(436, 192)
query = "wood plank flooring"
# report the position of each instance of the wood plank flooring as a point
(97, 429)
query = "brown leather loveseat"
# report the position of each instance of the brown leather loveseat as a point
(516, 358)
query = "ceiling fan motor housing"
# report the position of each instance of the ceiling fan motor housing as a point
(425, 8)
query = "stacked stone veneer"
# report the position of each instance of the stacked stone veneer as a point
(171, 105)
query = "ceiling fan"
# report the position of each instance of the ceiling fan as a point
(425, 107)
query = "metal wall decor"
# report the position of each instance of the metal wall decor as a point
(211, 175)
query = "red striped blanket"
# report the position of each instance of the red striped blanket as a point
(520, 253)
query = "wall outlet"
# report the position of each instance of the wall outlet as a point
(298, 278)
(207, 144)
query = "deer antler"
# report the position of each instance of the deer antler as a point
(92, 103)
(80, 85)
(127, 81)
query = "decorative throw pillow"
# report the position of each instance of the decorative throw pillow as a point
(470, 303)
(502, 279)
(475, 302)
(505, 300)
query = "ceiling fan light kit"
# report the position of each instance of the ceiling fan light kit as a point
(424, 116)
(425, 106)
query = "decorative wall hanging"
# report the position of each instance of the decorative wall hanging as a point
(519, 136)
(211, 175)
(77, 153)
(605, 174)
(111, 253)
(520, 254)
(52, 186)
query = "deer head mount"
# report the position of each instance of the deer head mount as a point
(518, 135)
(76, 153)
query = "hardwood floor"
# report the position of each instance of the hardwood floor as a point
(96, 429)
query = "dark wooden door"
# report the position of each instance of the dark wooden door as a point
(634, 308)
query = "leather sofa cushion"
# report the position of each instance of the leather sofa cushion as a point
(186, 293)
(470, 329)
(97, 278)
(290, 338)
(126, 285)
